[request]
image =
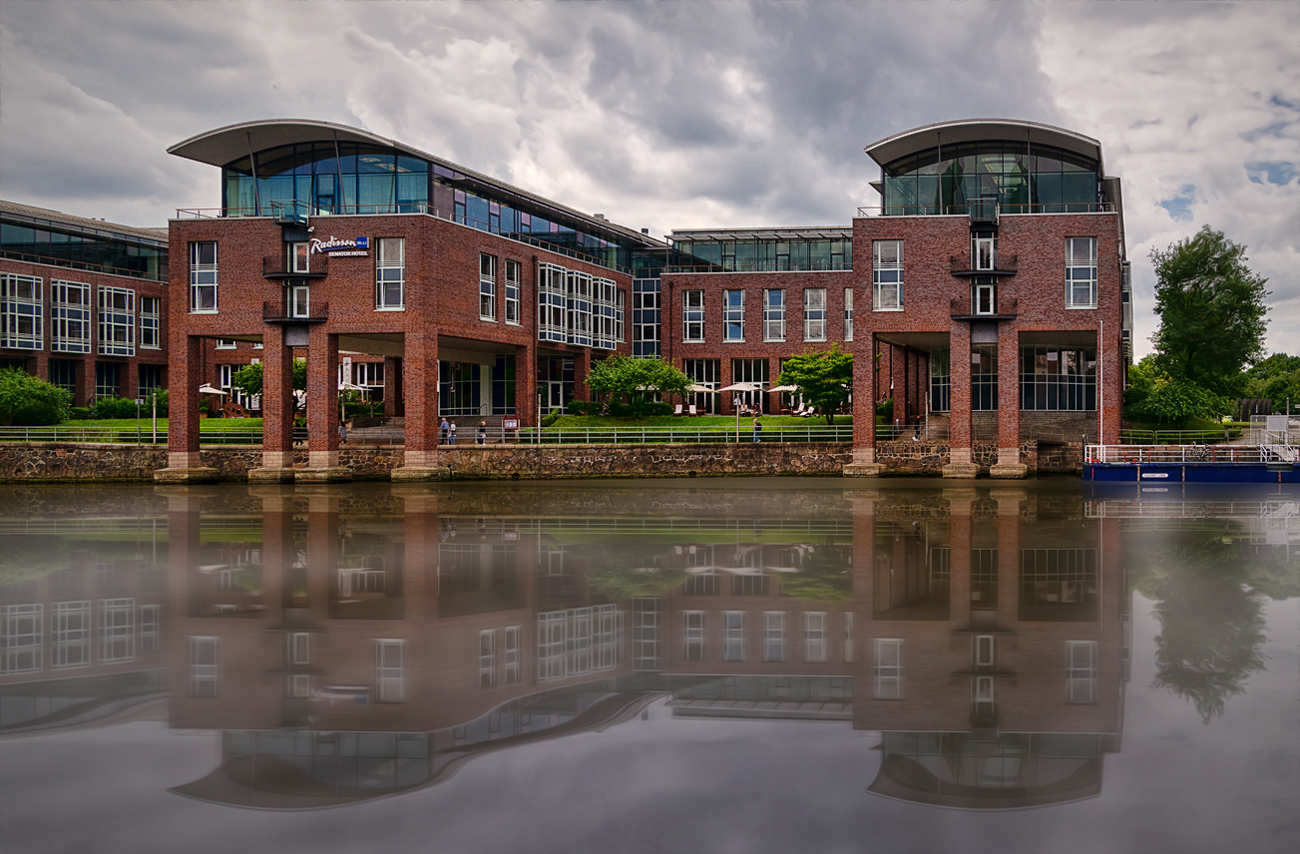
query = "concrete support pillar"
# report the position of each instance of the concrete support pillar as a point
(183, 461)
(421, 386)
(322, 409)
(277, 410)
(962, 463)
(864, 413)
(1008, 464)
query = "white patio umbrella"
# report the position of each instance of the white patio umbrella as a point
(784, 388)
(696, 388)
(207, 388)
(742, 387)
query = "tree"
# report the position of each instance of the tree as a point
(1212, 312)
(26, 401)
(1276, 378)
(1153, 395)
(824, 379)
(638, 381)
(248, 379)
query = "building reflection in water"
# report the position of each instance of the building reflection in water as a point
(359, 643)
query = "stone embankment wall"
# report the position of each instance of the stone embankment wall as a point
(71, 462)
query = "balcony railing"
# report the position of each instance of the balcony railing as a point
(276, 313)
(276, 267)
(963, 210)
(1008, 309)
(1003, 265)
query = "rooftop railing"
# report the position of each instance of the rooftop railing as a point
(80, 265)
(964, 209)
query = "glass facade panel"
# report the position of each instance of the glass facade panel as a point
(70, 320)
(116, 321)
(814, 314)
(1081, 272)
(22, 312)
(1058, 379)
(733, 315)
(887, 275)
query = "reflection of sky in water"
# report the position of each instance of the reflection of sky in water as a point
(659, 781)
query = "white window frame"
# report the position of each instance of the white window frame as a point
(150, 323)
(514, 290)
(848, 636)
(390, 678)
(64, 311)
(22, 312)
(773, 314)
(297, 649)
(204, 667)
(487, 287)
(299, 257)
(887, 275)
(487, 658)
(552, 639)
(848, 314)
(692, 316)
(984, 651)
(774, 635)
(390, 274)
(579, 287)
(733, 635)
(814, 314)
(512, 658)
(203, 278)
(888, 669)
(299, 299)
(647, 613)
(150, 632)
(71, 631)
(814, 635)
(692, 635)
(116, 630)
(226, 344)
(1081, 672)
(733, 316)
(983, 252)
(1080, 267)
(22, 638)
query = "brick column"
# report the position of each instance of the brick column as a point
(1008, 554)
(864, 411)
(959, 554)
(183, 461)
(421, 390)
(277, 409)
(581, 370)
(526, 385)
(420, 548)
(278, 549)
(962, 464)
(1111, 393)
(392, 387)
(1008, 464)
(322, 408)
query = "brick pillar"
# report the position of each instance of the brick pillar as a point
(864, 411)
(83, 373)
(581, 370)
(1008, 464)
(1111, 394)
(526, 385)
(392, 386)
(183, 403)
(278, 549)
(959, 554)
(130, 380)
(421, 407)
(420, 549)
(322, 406)
(322, 549)
(277, 408)
(1008, 554)
(962, 464)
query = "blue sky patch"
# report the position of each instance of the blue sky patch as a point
(1179, 205)
(1273, 172)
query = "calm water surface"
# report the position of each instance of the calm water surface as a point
(713, 665)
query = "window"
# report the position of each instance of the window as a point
(21, 628)
(940, 380)
(848, 314)
(620, 315)
(733, 636)
(21, 312)
(606, 314)
(552, 304)
(551, 639)
(984, 651)
(225, 376)
(692, 316)
(848, 636)
(984, 378)
(390, 675)
(1081, 672)
(887, 275)
(1058, 379)
(116, 630)
(579, 307)
(150, 323)
(887, 669)
(733, 315)
(693, 635)
(983, 251)
(226, 344)
(774, 636)
(70, 317)
(607, 651)
(1081, 272)
(108, 379)
(814, 314)
(814, 636)
(487, 287)
(645, 318)
(150, 629)
(774, 315)
(487, 659)
(983, 296)
(514, 286)
(707, 373)
(390, 274)
(369, 374)
(647, 614)
(116, 322)
(512, 659)
(299, 257)
(298, 297)
(203, 277)
(298, 648)
(70, 634)
(203, 668)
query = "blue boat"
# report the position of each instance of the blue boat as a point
(1173, 464)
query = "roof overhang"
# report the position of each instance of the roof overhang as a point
(832, 232)
(921, 139)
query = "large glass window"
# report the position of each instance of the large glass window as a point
(69, 317)
(580, 306)
(514, 286)
(108, 379)
(692, 635)
(116, 630)
(814, 314)
(940, 380)
(487, 659)
(150, 323)
(647, 616)
(733, 637)
(984, 378)
(390, 672)
(733, 315)
(390, 274)
(1081, 272)
(21, 638)
(814, 636)
(70, 634)
(606, 315)
(116, 321)
(692, 316)
(1081, 672)
(887, 275)
(706, 373)
(848, 314)
(203, 277)
(21, 312)
(887, 669)
(645, 318)
(487, 287)
(203, 668)
(552, 303)
(1058, 379)
(774, 636)
(774, 315)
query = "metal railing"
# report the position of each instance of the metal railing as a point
(963, 209)
(1176, 437)
(1156, 454)
(144, 435)
(684, 434)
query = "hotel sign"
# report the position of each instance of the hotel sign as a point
(341, 246)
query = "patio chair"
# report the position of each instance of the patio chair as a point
(694, 411)
(678, 410)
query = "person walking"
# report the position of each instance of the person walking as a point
(757, 428)
(452, 433)
(443, 429)
(482, 433)
(343, 433)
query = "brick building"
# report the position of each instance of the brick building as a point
(83, 302)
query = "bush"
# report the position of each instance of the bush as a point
(115, 407)
(885, 409)
(583, 407)
(80, 413)
(550, 419)
(26, 401)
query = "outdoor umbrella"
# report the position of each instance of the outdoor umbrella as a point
(207, 388)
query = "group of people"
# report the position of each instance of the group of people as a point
(447, 433)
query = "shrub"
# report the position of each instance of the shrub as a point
(26, 401)
(550, 419)
(885, 409)
(583, 407)
(115, 407)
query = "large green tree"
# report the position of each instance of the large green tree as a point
(824, 379)
(1212, 312)
(638, 381)
(1154, 396)
(26, 401)
(248, 379)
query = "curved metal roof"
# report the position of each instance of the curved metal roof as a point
(921, 139)
(227, 144)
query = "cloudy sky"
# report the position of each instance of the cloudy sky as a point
(675, 114)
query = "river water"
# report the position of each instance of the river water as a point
(713, 665)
